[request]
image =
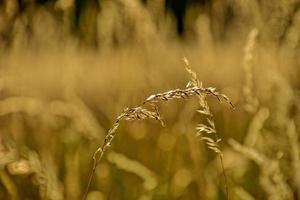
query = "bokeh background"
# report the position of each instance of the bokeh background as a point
(68, 68)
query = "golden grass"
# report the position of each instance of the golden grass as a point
(63, 81)
(194, 88)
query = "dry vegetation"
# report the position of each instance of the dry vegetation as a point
(68, 67)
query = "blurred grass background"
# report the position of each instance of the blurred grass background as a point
(69, 67)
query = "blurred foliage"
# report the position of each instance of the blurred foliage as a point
(69, 67)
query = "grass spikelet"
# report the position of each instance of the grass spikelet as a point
(251, 103)
(142, 112)
(207, 132)
(256, 125)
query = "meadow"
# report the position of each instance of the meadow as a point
(156, 99)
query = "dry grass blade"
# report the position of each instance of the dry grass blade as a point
(208, 133)
(142, 112)
(129, 114)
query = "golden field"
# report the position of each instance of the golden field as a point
(70, 68)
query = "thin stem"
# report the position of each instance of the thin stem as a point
(96, 160)
(141, 113)
(224, 175)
